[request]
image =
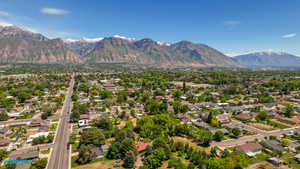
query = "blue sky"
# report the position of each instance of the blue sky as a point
(231, 26)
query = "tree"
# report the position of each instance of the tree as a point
(285, 143)
(128, 145)
(74, 117)
(104, 123)
(92, 136)
(129, 160)
(218, 136)
(289, 110)
(122, 96)
(262, 116)
(74, 97)
(3, 154)
(113, 152)
(236, 132)
(39, 164)
(85, 154)
(123, 134)
(3, 116)
(177, 94)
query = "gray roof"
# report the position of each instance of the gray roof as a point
(273, 145)
(24, 155)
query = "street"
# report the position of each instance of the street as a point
(59, 158)
(261, 135)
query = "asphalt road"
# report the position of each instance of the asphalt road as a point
(59, 158)
(245, 139)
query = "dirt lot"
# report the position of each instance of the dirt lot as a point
(262, 126)
(266, 165)
(98, 165)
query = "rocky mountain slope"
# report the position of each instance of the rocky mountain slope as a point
(18, 45)
(119, 49)
(269, 59)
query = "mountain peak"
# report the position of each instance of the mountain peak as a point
(88, 40)
(125, 38)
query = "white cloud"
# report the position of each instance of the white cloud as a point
(3, 13)
(53, 11)
(291, 35)
(231, 24)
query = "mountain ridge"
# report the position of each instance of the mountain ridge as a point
(269, 59)
(18, 45)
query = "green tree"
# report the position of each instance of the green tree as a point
(85, 154)
(289, 110)
(114, 151)
(218, 136)
(92, 136)
(3, 116)
(129, 160)
(236, 132)
(262, 116)
(104, 123)
(3, 154)
(39, 164)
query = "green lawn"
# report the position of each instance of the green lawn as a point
(293, 163)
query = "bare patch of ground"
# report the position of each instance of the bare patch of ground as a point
(262, 126)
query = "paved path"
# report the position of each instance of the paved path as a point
(59, 158)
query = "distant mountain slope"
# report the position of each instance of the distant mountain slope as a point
(149, 52)
(269, 59)
(18, 45)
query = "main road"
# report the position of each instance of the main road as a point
(60, 153)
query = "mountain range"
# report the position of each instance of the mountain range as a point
(18, 45)
(269, 59)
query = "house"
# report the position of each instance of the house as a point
(297, 157)
(26, 155)
(104, 148)
(19, 124)
(3, 130)
(4, 142)
(273, 145)
(251, 149)
(14, 114)
(83, 123)
(275, 161)
(97, 152)
(244, 116)
(31, 137)
(44, 128)
(37, 123)
(84, 117)
(141, 146)
(223, 118)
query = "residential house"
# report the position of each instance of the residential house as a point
(297, 157)
(244, 116)
(275, 161)
(4, 142)
(83, 123)
(251, 149)
(97, 152)
(273, 145)
(223, 118)
(31, 137)
(141, 146)
(4, 130)
(26, 155)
